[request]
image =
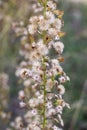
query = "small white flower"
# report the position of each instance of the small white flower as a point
(50, 44)
(59, 69)
(18, 119)
(36, 128)
(22, 104)
(24, 73)
(50, 17)
(3, 115)
(33, 102)
(49, 84)
(41, 17)
(49, 105)
(21, 94)
(34, 56)
(68, 78)
(36, 78)
(50, 96)
(42, 49)
(51, 112)
(23, 64)
(57, 38)
(51, 4)
(38, 10)
(54, 71)
(62, 79)
(32, 29)
(36, 66)
(33, 19)
(58, 46)
(60, 119)
(54, 63)
(28, 116)
(27, 83)
(67, 105)
(40, 99)
(18, 122)
(56, 128)
(43, 25)
(61, 89)
(49, 124)
(34, 112)
(57, 24)
(27, 128)
(59, 109)
(37, 93)
(52, 32)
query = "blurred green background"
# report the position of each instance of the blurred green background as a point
(75, 54)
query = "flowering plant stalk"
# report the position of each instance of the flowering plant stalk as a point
(4, 96)
(41, 71)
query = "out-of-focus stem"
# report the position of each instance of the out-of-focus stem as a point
(44, 110)
(45, 5)
(77, 111)
(44, 77)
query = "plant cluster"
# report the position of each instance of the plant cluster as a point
(41, 71)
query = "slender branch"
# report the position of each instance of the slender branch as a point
(44, 110)
(44, 77)
(45, 5)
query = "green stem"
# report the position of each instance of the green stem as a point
(44, 110)
(45, 5)
(44, 77)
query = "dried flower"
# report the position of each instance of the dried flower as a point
(43, 74)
